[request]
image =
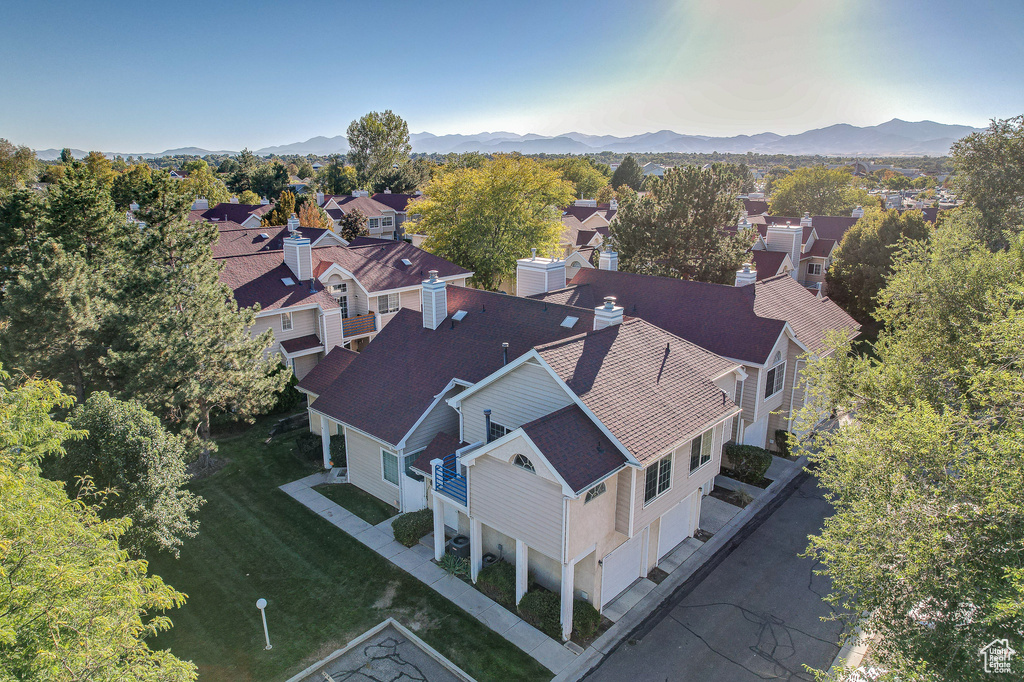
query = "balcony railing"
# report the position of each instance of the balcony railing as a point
(359, 325)
(448, 481)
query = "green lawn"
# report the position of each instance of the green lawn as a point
(323, 588)
(362, 504)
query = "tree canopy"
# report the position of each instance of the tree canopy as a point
(17, 166)
(676, 229)
(863, 261)
(628, 174)
(486, 218)
(336, 178)
(353, 224)
(815, 190)
(378, 142)
(586, 175)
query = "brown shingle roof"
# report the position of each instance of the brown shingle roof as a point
(236, 240)
(767, 263)
(396, 202)
(327, 370)
(367, 206)
(301, 343)
(577, 449)
(755, 206)
(821, 248)
(235, 213)
(810, 317)
(390, 385)
(442, 445)
(651, 389)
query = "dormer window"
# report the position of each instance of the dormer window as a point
(524, 462)
(387, 221)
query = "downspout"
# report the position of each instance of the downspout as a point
(565, 530)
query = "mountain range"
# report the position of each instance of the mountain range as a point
(893, 138)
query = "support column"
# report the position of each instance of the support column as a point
(522, 569)
(325, 440)
(568, 577)
(476, 550)
(438, 526)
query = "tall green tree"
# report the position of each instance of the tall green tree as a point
(242, 171)
(353, 224)
(186, 351)
(378, 142)
(143, 466)
(336, 178)
(131, 185)
(82, 217)
(864, 258)
(988, 176)
(405, 179)
(628, 174)
(283, 210)
(21, 214)
(586, 175)
(926, 545)
(101, 167)
(484, 219)
(202, 182)
(675, 230)
(55, 311)
(17, 166)
(817, 190)
(72, 606)
(269, 180)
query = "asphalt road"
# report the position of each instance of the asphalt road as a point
(754, 616)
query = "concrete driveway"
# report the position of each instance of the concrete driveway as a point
(754, 616)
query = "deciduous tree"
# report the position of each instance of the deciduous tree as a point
(353, 224)
(587, 176)
(484, 219)
(283, 210)
(17, 166)
(336, 178)
(816, 190)
(311, 215)
(201, 182)
(378, 142)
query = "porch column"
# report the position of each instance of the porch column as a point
(438, 521)
(522, 569)
(476, 551)
(568, 576)
(325, 440)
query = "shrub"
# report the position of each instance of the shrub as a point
(782, 442)
(288, 398)
(455, 565)
(339, 458)
(409, 528)
(748, 461)
(543, 610)
(308, 446)
(498, 581)
(585, 620)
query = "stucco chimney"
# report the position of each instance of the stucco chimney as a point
(201, 204)
(233, 200)
(264, 201)
(298, 256)
(608, 314)
(748, 275)
(433, 301)
(858, 212)
(806, 220)
(539, 275)
(608, 260)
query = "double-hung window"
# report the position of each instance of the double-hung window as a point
(389, 466)
(387, 222)
(286, 322)
(387, 303)
(659, 479)
(700, 450)
(773, 382)
(373, 223)
(814, 268)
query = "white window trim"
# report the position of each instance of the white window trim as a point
(670, 481)
(776, 367)
(711, 457)
(814, 269)
(389, 310)
(595, 492)
(398, 466)
(291, 323)
(533, 467)
(493, 424)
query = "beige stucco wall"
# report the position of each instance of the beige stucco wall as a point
(524, 394)
(365, 468)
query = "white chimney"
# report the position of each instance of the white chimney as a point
(298, 256)
(387, 190)
(233, 200)
(418, 193)
(787, 238)
(608, 314)
(433, 301)
(586, 203)
(613, 204)
(264, 201)
(806, 220)
(748, 275)
(319, 198)
(608, 260)
(293, 223)
(539, 275)
(133, 206)
(201, 204)
(858, 212)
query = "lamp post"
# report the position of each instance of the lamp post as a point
(261, 604)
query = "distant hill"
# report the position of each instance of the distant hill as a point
(892, 138)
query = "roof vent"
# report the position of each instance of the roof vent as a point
(459, 315)
(288, 281)
(570, 321)
(406, 261)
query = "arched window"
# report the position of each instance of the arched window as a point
(524, 463)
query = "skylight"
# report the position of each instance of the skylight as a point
(288, 281)
(459, 315)
(407, 261)
(264, 235)
(569, 321)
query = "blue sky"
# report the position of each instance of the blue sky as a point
(146, 76)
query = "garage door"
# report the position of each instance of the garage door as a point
(675, 526)
(621, 568)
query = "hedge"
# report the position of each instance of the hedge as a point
(498, 581)
(409, 528)
(585, 620)
(543, 610)
(309, 446)
(782, 442)
(749, 462)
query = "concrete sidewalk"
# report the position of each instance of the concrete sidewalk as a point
(418, 562)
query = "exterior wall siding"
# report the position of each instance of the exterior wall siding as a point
(303, 364)
(623, 486)
(441, 418)
(364, 467)
(519, 397)
(304, 322)
(517, 503)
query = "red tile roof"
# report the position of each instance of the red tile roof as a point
(651, 389)
(577, 449)
(320, 378)
(392, 383)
